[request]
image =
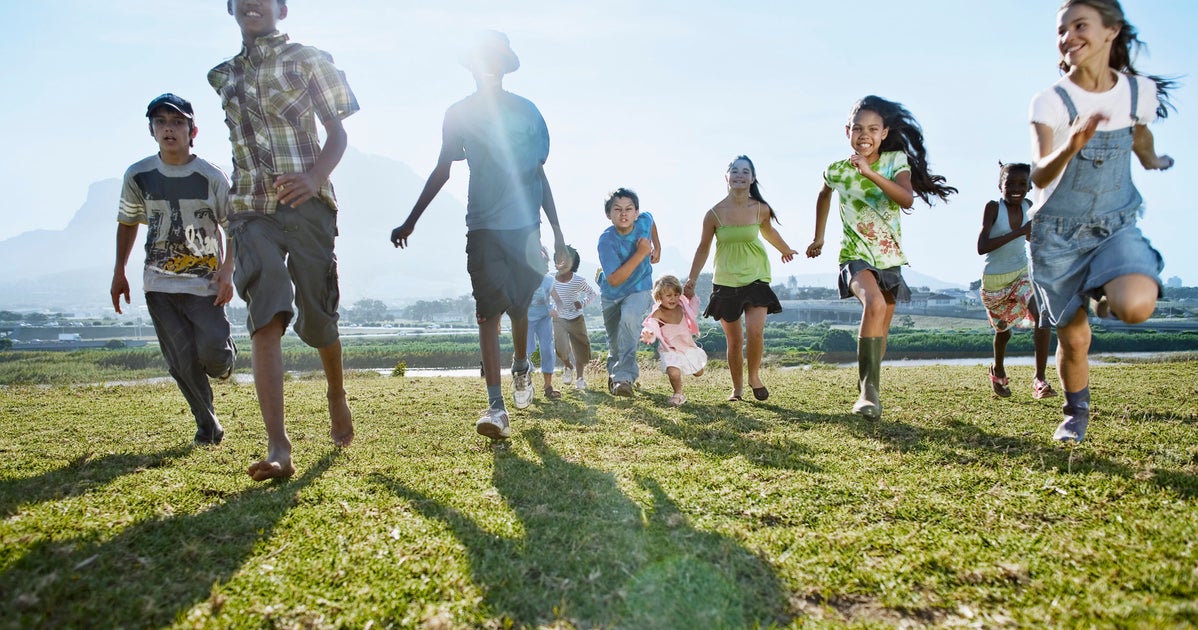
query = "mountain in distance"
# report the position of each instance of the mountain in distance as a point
(70, 270)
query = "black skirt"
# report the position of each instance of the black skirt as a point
(890, 281)
(729, 303)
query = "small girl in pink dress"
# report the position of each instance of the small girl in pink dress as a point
(672, 324)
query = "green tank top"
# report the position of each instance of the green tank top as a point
(740, 257)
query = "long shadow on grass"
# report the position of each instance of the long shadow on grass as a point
(722, 430)
(79, 476)
(592, 555)
(151, 572)
(957, 435)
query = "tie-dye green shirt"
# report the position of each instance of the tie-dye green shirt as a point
(871, 219)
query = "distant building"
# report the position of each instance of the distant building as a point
(1173, 283)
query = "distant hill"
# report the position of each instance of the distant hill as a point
(70, 269)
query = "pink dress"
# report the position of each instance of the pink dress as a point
(677, 345)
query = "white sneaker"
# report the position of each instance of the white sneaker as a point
(580, 384)
(567, 376)
(522, 384)
(493, 424)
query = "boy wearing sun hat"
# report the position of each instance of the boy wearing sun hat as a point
(504, 140)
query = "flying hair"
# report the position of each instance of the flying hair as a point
(1125, 49)
(906, 135)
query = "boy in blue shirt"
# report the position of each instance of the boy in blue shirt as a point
(627, 250)
(505, 141)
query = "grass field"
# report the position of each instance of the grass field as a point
(955, 509)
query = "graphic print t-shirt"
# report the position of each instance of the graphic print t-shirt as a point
(182, 207)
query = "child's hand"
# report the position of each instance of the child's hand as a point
(224, 285)
(655, 257)
(1084, 128)
(1163, 163)
(688, 288)
(860, 163)
(643, 246)
(399, 236)
(646, 335)
(815, 248)
(577, 305)
(788, 256)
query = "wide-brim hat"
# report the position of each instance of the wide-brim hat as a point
(490, 53)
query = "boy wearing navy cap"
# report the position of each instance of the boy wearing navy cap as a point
(183, 200)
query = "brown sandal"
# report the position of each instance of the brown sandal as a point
(552, 394)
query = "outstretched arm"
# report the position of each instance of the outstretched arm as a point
(559, 241)
(436, 180)
(126, 236)
(771, 236)
(625, 270)
(822, 204)
(655, 257)
(1144, 146)
(701, 253)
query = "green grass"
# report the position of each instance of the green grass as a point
(955, 509)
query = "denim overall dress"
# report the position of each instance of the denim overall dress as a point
(1085, 235)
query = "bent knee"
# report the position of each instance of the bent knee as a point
(1133, 309)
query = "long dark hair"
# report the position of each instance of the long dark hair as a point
(906, 135)
(1124, 49)
(754, 189)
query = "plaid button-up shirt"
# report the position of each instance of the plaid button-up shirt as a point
(270, 92)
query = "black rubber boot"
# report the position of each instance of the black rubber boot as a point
(869, 377)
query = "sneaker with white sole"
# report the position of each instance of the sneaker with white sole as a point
(580, 384)
(567, 376)
(494, 424)
(523, 388)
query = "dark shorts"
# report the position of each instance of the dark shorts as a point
(729, 303)
(287, 258)
(890, 281)
(505, 268)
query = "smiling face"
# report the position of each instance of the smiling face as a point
(740, 175)
(866, 131)
(1014, 187)
(1082, 38)
(623, 214)
(256, 17)
(173, 133)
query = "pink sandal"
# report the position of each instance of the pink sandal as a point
(1000, 385)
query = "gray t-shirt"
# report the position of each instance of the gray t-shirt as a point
(505, 141)
(182, 206)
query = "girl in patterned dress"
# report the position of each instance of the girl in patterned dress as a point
(887, 170)
(672, 323)
(1006, 286)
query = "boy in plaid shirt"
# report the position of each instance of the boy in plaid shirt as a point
(283, 214)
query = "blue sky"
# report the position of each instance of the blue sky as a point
(656, 96)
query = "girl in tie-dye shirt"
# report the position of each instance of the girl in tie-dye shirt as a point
(880, 180)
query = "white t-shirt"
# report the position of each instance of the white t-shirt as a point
(1047, 108)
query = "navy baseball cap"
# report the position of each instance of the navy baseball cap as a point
(174, 102)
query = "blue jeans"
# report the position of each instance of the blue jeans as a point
(623, 318)
(540, 332)
(195, 340)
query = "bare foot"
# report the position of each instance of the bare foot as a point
(342, 418)
(264, 470)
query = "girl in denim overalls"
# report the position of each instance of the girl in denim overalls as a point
(1084, 241)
